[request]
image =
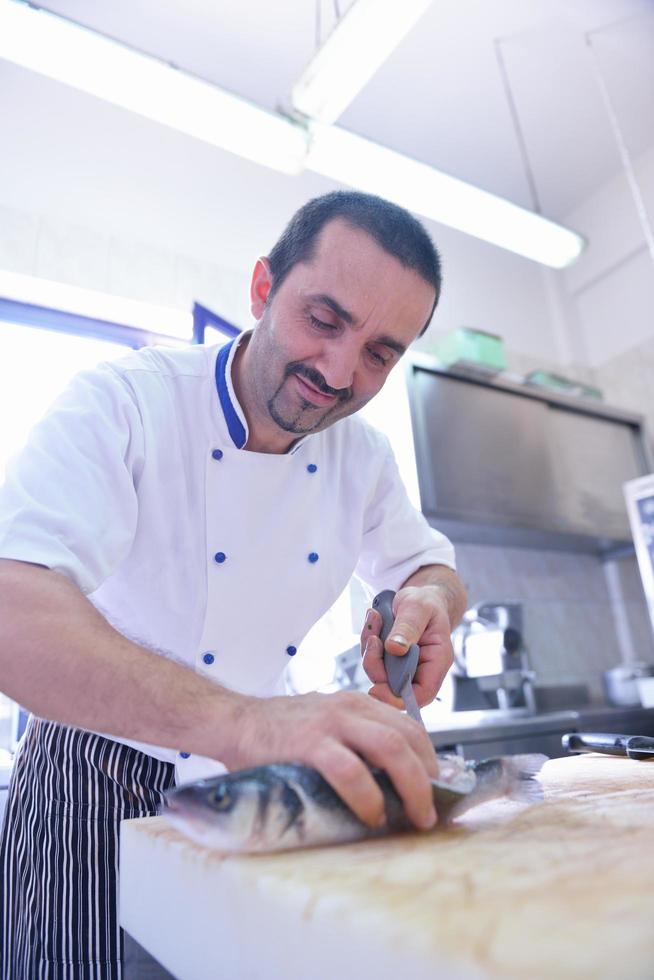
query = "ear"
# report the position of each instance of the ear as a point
(260, 287)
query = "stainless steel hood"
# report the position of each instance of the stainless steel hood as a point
(503, 463)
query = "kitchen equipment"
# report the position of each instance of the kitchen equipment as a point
(645, 687)
(400, 670)
(631, 746)
(491, 668)
(639, 496)
(533, 468)
(621, 683)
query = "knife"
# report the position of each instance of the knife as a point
(631, 746)
(400, 670)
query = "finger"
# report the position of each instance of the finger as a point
(371, 627)
(418, 738)
(373, 660)
(388, 748)
(431, 673)
(411, 620)
(414, 732)
(382, 692)
(351, 779)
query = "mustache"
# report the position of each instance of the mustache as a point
(317, 380)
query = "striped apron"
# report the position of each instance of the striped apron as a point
(69, 791)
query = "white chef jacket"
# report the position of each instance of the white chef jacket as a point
(136, 487)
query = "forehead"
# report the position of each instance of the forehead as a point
(351, 253)
(350, 266)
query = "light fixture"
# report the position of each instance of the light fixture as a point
(90, 62)
(350, 159)
(359, 44)
(163, 320)
(85, 60)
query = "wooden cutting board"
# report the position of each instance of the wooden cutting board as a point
(562, 889)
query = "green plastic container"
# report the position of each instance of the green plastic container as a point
(566, 386)
(467, 345)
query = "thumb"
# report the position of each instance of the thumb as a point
(411, 619)
(403, 634)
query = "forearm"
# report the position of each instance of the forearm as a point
(62, 660)
(448, 583)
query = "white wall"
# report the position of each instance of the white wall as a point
(610, 291)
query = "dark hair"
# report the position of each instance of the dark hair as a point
(392, 227)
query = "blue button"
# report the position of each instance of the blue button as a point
(217, 454)
(185, 755)
(312, 467)
(220, 557)
(291, 651)
(313, 557)
(208, 657)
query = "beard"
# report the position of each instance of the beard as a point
(306, 417)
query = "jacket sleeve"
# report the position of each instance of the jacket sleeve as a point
(397, 540)
(69, 501)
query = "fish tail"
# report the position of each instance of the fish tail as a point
(520, 772)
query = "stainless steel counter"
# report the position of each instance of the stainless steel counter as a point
(485, 733)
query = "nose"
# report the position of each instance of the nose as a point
(337, 364)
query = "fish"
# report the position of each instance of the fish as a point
(284, 806)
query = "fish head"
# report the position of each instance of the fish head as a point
(249, 810)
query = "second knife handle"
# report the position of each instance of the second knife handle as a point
(607, 744)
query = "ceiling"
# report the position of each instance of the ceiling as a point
(441, 96)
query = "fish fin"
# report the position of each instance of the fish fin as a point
(294, 808)
(520, 773)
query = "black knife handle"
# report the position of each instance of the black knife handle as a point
(607, 744)
(399, 669)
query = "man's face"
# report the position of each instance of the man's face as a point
(327, 340)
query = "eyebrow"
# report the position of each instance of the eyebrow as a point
(333, 305)
(348, 317)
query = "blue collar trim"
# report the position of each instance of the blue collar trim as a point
(234, 424)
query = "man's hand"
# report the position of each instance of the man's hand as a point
(422, 617)
(335, 733)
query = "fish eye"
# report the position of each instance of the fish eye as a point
(221, 798)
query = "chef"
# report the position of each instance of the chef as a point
(175, 525)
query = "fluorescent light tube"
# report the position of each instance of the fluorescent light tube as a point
(163, 320)
(361, 41)
(358, 162)
(87, 61)
(67, 53)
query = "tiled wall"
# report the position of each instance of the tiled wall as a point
(628, 381)
(569, 621)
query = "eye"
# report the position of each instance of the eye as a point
(320, 324)
(220, 798)
(378, 358)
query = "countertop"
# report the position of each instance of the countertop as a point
(563, 889)
(466, 726)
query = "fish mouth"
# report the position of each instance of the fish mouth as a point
(194, 824)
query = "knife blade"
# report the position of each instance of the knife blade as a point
(400, 670)
(608, 743)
